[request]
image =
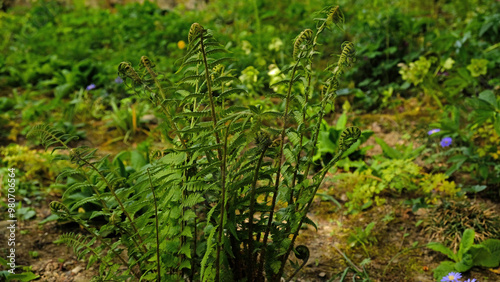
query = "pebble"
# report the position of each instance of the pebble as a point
(76, 269)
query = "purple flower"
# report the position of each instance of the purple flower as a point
(90, 87)
(118, 80)
(433, 131)
(445, 142)
(452, 277)
(469, 280)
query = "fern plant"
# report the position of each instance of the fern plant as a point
(226, 198)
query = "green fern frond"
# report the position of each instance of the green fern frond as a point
(80, 244)
(215, 51)
(49, 136)
(226, 93)
(219, 61)
(74, 187)
(70, 173)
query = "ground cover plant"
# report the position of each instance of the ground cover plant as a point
(267, 141)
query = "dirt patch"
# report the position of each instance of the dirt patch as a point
(35, 248)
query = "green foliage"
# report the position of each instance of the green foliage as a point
(403, 154)
(25, 276)
(485, 254)
(328, 145)
(216, 185)
(362, 237)
(473, 140)
(392, 177)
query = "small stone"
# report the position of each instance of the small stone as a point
(322, 275)
(76, 269)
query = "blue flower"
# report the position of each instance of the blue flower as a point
(433, 131)
(469, 280)
(452, 277)
(90, 87)
(118, 80)
(445, 142)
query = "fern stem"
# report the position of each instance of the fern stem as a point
(278, 172)
(158, 261)
(304, 113)
(210, 94)
(250, 217)
(223, 203)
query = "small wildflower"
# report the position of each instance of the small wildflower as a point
(469, 280)
(445, 142)
(181, 44)
(433, 131)
(90, 87)
(118, 80)
(452, 277)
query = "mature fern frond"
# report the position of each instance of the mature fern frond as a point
(81, 245)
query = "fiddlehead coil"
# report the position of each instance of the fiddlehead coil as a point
(58, 208)
(125, 69)
(302, 42)
(348, 137)
(194, 32)
(147, 64)
(336, 17)
(302, 253)
(348, 53)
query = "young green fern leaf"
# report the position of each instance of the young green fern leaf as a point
(302, 43)
(302, 253)
(336, 17)
(59, 209)
(195, 32)
(125, 70)
(348, 137)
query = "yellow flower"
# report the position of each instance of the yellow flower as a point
(181, 44)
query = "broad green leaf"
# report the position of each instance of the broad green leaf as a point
(488, 96)
(481, 256)
(466, 242)
(438, 247)
(443, 269)
(341, 122)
